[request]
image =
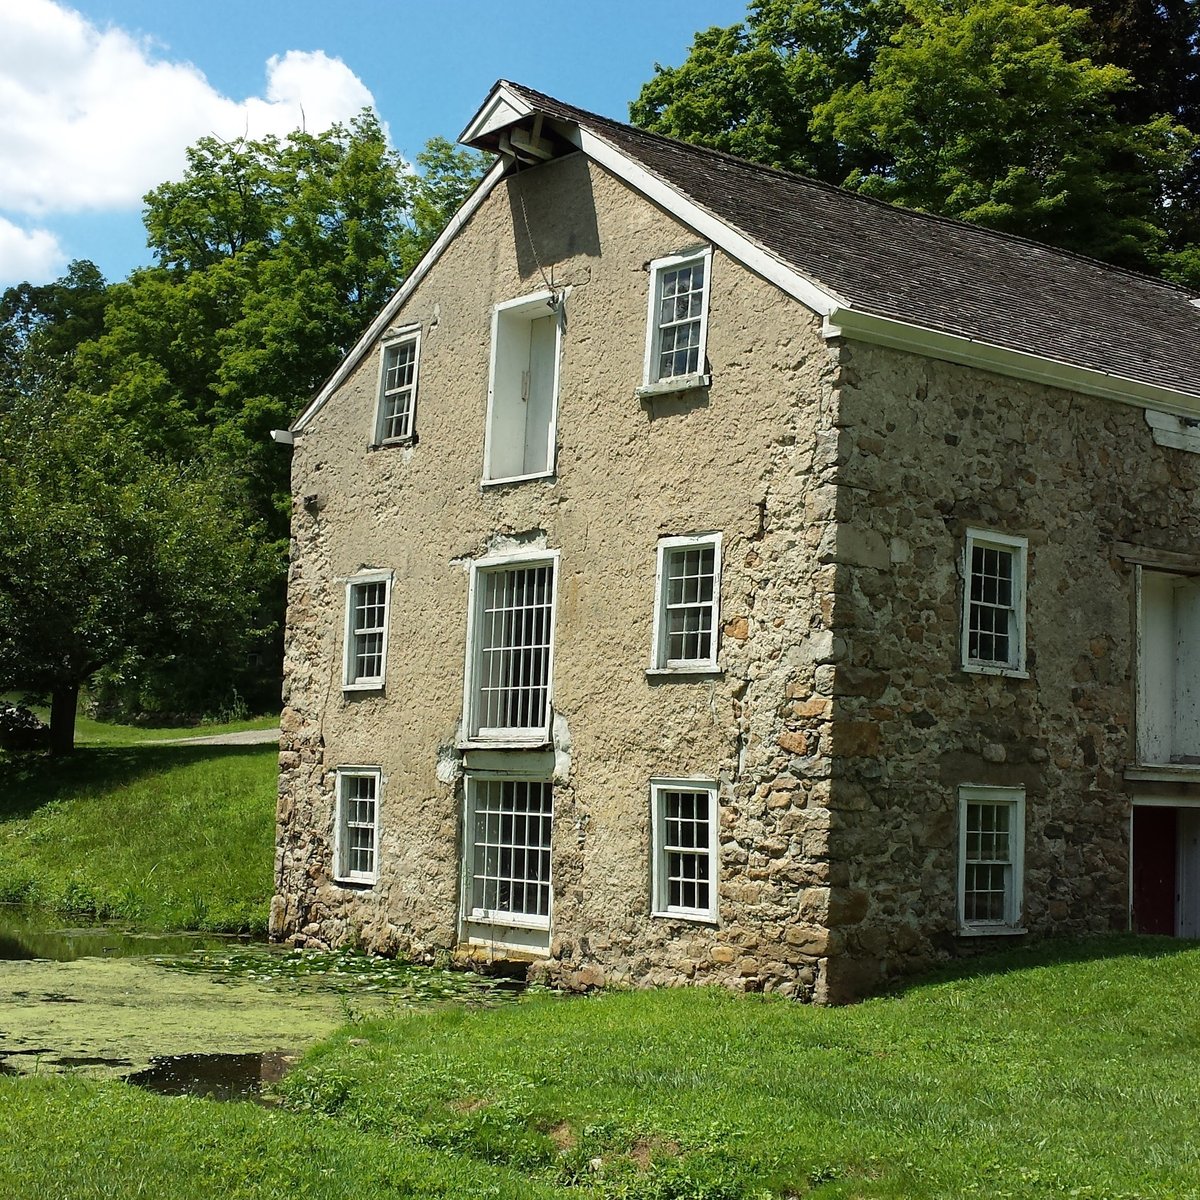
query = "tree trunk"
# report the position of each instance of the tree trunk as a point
(63, 703)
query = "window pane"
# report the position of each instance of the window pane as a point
(513, 684)
(988, 872)
(399, 378)
(690, 589)
(357, 803)
(680, 306)
(510, 871)
(685, 853)
(991, 617)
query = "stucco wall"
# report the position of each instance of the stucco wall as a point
(753, 456)
(928, 449)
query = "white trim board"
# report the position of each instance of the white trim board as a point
(711, 227)
(1003, 360)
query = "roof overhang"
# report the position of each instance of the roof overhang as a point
(863, 326)
(508, 125)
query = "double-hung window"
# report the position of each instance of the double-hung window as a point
(396, 412)
(523, 388)
(991, 852)
(684, 867)
(507, 872)
(687, 603)
(677, 327)
(510, 645)
(993, 635)
(364, 658)
(356, 824)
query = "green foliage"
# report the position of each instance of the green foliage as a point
(751, 89)
(1073, 127)
(1063, 1069)
(171, 836)
(111, 559)
(992, 112)
(41, 326)
(273, 256)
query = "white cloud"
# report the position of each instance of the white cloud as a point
(94, 118)
(28, 254)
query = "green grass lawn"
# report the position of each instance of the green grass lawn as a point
(1062, 1070)
(167, 836)
(105, 733)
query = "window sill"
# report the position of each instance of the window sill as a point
(375, 685)
(393, 443)
(677, 383)
(692, 918)
(538, 741)
(356, 881)
(506, 920)
(491, 483)
(1164, 773)
(991, 930)
(995, 669)
(700, 670)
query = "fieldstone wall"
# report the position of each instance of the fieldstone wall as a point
(753, 456)
(926, 450)
(841, 724)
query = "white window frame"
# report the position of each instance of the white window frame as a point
(499, 917)
(660, 642)
(659, 884)
(341, 846)
(473, 734)
(534, 303)
(1014, 899)
(1018, 547)
(652, 382)
(365, 683)
(394, 341)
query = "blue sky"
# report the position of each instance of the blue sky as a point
(99, 98)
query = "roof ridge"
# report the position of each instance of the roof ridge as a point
(849, 194)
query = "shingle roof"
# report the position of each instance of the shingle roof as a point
(925, 270)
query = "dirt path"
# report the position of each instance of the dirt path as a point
(248, 737)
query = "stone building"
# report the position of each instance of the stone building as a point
(703, 574)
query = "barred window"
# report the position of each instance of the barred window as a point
(684, 816)
(510, 823)
(356, 824)
(991, 840)
(994, 603)
(687, 603)
(398, 391)
(510, 648)
(365, 653)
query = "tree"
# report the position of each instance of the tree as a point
(41, 326)
(110, 559)
(273, 255)
(751, 89)
(1001, 112)
(992, 111)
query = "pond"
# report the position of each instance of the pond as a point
(191, 1014)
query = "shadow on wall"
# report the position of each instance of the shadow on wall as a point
(563, 214)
